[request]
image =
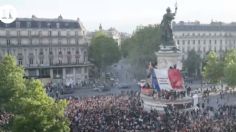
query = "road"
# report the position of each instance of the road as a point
(91, 92)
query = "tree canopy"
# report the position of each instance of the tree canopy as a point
(213, 70)
(192, 63)
(33, 110)
(230, 68)
(141, 47)
(217, 69)
(103, 51)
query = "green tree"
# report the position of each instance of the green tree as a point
(27, 100)
(213, 70)
(141, 47)
(103, 51)
(192, 63)
(11, 82)
(230, 68)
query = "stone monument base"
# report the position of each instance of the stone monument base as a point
(167, 57)
(181, 104)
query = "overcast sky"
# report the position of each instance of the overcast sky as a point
(125, 15)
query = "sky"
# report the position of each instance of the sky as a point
(125, 15)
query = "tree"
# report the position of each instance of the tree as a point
(192, 63)
(103, 51)
(213, 70)
(27, 100)
(141, 47)
(11, 82)
(230, 68)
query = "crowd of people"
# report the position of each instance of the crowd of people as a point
(124, 112)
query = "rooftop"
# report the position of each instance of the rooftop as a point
(197, 26)
(35, 22)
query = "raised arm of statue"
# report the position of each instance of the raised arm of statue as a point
(175, 8)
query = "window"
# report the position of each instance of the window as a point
(59, 33)
(18, 33)
(28, 24)
(51, 61)
(69, 70)
(29, 33)
(85, 70)
(193, 41)
(85, 56)
(50, 33)
(68, 41)
(41, 61)
(60, 56)
(49, 25)
(209, 41)
(44, 72)
(58, 25)
(188, 41)
(183, 42)
(8, 42)
(76, 33)
(209, 46)
(199, 41)
(220, 46)
(50, 57)
(39, 24)
(20, 61)
(78, 70)
(69, 57)
(221, 41)
(17, 24)
(19, 41)
(215, 41)
(31, 61)
(77, 41)
(77, 56)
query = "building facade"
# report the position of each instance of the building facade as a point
(112, 33)
(47, 48)
(202, 38)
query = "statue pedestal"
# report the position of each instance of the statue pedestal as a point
(168, 56)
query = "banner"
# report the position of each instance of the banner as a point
(176, 79)
(155, 84)
(162, 79)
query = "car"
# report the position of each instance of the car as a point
(123, 86)
(67, 91)
(101, 88)
(97, 89)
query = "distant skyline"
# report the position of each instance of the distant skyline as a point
(125, 15)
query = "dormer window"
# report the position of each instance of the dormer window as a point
(58, 25)
(28, 24)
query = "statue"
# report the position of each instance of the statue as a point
(166, 31)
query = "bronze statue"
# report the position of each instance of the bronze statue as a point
(166, 31)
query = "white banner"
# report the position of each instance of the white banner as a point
(162, 79)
